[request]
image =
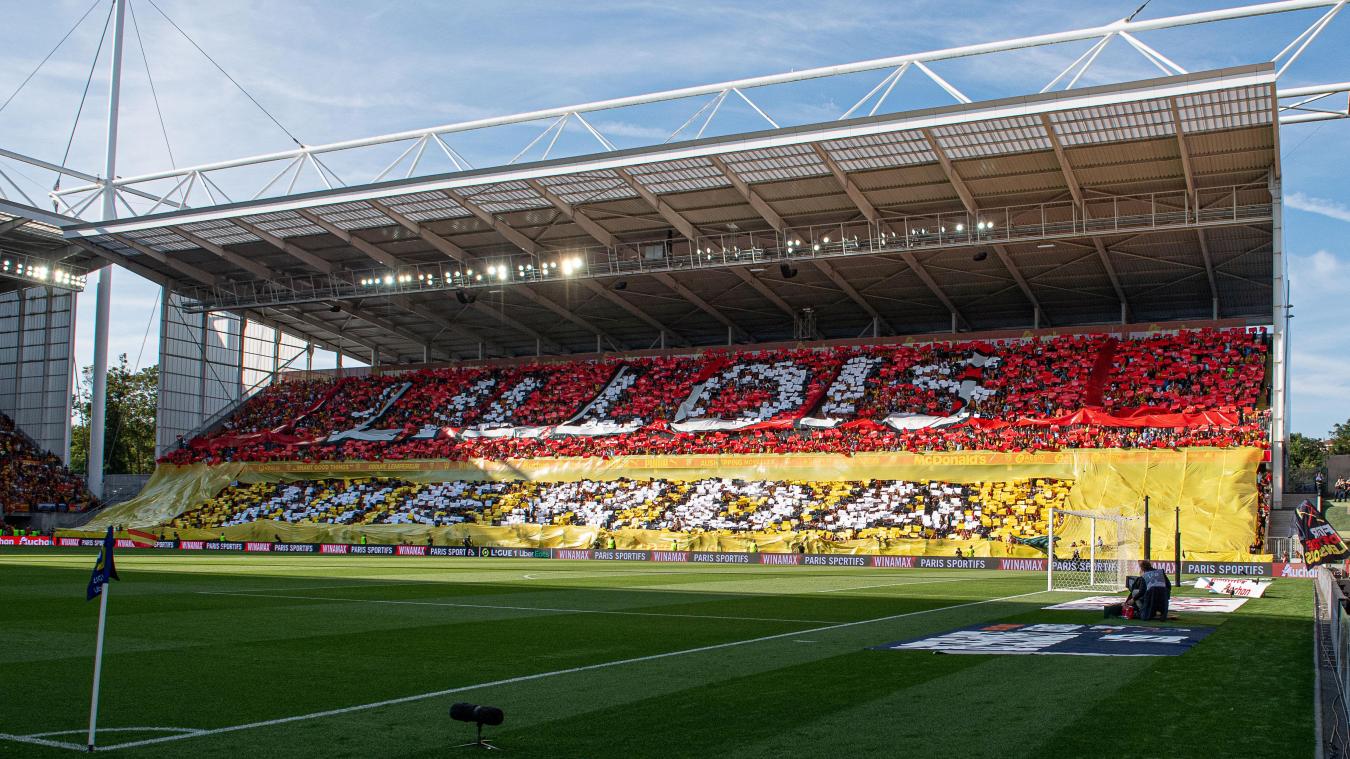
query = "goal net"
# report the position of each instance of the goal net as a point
(1092, 550)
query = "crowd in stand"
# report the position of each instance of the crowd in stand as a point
(885, 510)
(976, 395)
(31, 478)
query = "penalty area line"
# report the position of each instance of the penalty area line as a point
(555, 673)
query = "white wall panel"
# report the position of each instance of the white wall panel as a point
(36, 364)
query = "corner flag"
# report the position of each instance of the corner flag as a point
(104, 570)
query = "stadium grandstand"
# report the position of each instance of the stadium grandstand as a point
(972, 331)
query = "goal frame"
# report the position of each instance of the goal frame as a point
(1093, 517)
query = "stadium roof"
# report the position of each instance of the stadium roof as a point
(1148, 200)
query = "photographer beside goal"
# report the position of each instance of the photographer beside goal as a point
(1150, 592)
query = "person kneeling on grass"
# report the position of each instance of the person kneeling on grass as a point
(1151, 592)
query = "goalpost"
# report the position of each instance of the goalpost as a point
(1092, 550)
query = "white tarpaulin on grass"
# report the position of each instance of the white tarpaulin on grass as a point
(1177, 604)
(1232, 587)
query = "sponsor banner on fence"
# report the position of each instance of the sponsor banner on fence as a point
(880, 561)
(461, 551)
(1177, 603)
(369, 550)
(1289, 569)
(612, 555)
(25, 540)
(938, 562)
(295, 548)
(518, 553)
(834, 560)
(1073, 640)
(705, 557)
(1231, 569)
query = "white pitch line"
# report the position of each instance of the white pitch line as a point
(894, 584)
(101, 730)
(44, 742)
(515, 608)
(555, 673)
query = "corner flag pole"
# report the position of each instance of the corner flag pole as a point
(98, 661)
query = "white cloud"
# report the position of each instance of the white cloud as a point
(1329, 208)
(1316, 275)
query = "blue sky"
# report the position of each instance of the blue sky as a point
(331, 70)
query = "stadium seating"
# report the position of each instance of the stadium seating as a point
(1165, 390)
(888, 510)
(31, 478)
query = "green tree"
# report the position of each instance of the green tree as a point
(1340, 438)
(1306, 452)
(129, 424)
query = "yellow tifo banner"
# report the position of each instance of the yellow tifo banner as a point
(1214, 487)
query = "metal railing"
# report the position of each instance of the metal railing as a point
(891, 235)
(1331, 649)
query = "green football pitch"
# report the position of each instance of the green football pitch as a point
(228, 656)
